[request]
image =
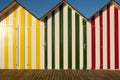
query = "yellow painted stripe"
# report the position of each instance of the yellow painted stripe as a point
(37, 44)
(6, 43)
(29, 40)
(14, 37)
(22, 42)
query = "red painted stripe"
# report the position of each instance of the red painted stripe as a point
(108, 37)
(93, 42)
(101, 39)
(116, 38)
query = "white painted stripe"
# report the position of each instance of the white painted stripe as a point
(3, 25)
(89, 63)
(1, 54)
(17, 45)
(81, 42)
(97, 32)
(33, 36)
(2, 29)
(2, 47)
(18, 40)
(112, 37)
(49, 39)
(119, 36)
(10, 42)
(104, 38)
(73, 39)
(10, 50)
(57, 39)
(42, 45)
(65, 31)
(26, 40)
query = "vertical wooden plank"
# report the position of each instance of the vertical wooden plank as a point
(29, 41)
(69, 38)
(45, 43)
(65, 36)
(61, 35)
(108, 37)
(116, 37)
(53, 40)
(6, 62)
(22, 42)
(93, 43)
(84, 44)
(14, 37)
(57, 45)
(37, 44)
(77, 40)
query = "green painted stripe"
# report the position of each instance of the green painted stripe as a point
(61, 35)
(77, 40)
(69, 38)
(53, 40)
(84, 45)
(46, 43)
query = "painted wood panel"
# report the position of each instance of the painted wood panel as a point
(106, 37)
(70, 45)
(20, 42)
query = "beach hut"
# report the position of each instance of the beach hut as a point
(104, 37)
(20, 38)
(63, 38)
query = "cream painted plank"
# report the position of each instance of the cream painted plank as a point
(49, 37)
(26, 39)
(57, 39)
(2, 29)
(81, 41)
(89, 54)
(73, 39)
(105, 39)
(33, 43)
(112, 50)
(18, 40)
(42, 45)
(65, 43)
(97, 32)
(10, 42)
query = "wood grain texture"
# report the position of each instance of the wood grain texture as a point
(59, 75)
